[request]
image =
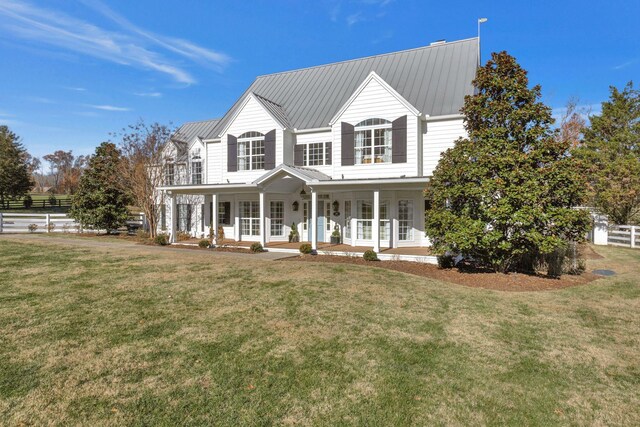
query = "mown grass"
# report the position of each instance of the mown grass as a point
(140, 336)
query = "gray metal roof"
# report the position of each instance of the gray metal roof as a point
(305, 174)
(275, 109)
(434, 79)
(190, 130)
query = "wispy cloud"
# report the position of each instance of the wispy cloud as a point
(149, 94)
(354, 18)
(109, 108)
(625, 64)
(132, 46)
(40, 100)
(76, 89)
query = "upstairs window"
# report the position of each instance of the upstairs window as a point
(169, 174)
(372, 142)
(250, 151)
(196, 167)
(317, 154)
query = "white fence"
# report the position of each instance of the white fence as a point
(624, 235)
(53, 223)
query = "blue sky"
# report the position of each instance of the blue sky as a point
(75, 70)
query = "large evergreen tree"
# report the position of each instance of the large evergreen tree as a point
(15, 179)
(508, 189)
(610, 152)
(101, 201)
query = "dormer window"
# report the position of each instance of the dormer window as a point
(169, 173)
(373, 141)
(196, 167)
(250, 151)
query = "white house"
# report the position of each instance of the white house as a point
(347, 146)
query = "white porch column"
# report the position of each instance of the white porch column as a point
(263, 231)
(174, 217)
(376, 221)
(236, 228)
(313, 231)
(393, 210)
(214, 217)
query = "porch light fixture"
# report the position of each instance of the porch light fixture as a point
(294, 206)
(336, 206)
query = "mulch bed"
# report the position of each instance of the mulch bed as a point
(514, 282)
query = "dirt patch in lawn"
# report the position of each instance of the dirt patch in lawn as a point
(514, 282)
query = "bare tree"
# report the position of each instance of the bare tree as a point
(573, 122)
(59, 162)
(143, 166)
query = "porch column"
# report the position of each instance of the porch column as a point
(214, 218)
(376, 221)
(263, 231)
(174, 218)
(313, 230)
(393, 210)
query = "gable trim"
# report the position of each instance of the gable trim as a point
(373, 76)
(244, 103)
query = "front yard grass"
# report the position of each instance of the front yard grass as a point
(141, 336)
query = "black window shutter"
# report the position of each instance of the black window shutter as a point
(232, 153)
(270, 150)
(347, 145)
(329, 153)
(399, 140)
(298, 155)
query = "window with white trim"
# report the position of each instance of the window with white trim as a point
(305, 215)
(347, 219)
(316, 154)
(405, 219)
(250, 151)
(250, 218)
(196, 167)
(385, 225)
(224, 213)
(169, 173)
(373, 143)
(364, 221)
(277, 218)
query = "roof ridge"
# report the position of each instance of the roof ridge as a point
(267, 99)
(366, 57)
(201, 121)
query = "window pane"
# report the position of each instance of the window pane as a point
(277, 218)
(347, 220)
(405, 219)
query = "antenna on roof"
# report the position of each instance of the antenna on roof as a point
(480, 21)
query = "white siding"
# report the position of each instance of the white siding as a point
(376, 101)
(216, 162)
(253, 117)
(437, 137)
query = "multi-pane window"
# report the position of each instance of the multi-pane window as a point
(347, 219)
(316, 154)
(250, 218)
(183, 220)
(224, 213)
(250, 151)
(305, 215)
(384, 221)
(196, 167)
(373, 143)
(327, 215)
(277, 218)
(364, 220)
(169, 174)
(405, 219)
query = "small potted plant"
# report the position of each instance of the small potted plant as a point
(335, 236)
(294, 236)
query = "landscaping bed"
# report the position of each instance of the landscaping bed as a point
(518, 282)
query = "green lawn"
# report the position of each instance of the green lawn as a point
(147, 336)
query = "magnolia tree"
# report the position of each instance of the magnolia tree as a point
(143, 167)
(507, 190)
(101, 201)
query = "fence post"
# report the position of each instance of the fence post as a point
(633, 236)
(1, 219)
(48, 222)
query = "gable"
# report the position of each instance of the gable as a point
(252, 117)
(374, 98)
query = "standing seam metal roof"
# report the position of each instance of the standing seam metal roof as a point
(190, 130)
(434, 79)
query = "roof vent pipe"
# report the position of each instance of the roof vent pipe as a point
(437, 42)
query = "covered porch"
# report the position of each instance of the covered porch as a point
(385, 215)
